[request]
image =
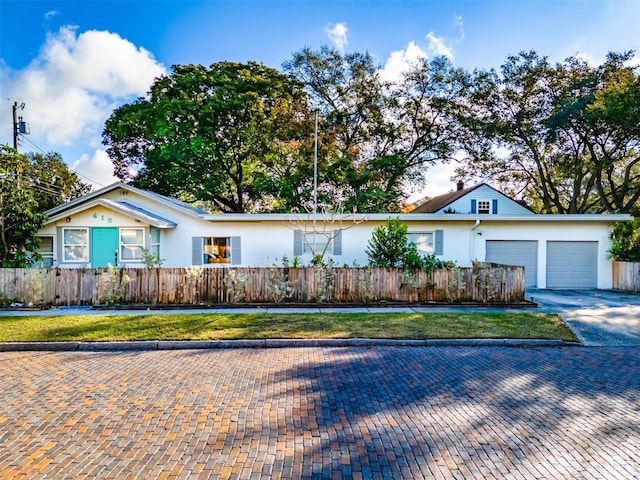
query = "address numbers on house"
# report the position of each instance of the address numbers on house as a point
(102, 218)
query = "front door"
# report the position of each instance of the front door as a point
(104, 247)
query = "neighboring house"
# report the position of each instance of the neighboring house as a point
(113, 225)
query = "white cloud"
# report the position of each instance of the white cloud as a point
(438, 46)
(460, 26)
(76, 81)
(50, 14)
(586, 58)
(337, 34)
(401, 61)
(97, 170)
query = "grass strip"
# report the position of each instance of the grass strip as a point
(204, 326)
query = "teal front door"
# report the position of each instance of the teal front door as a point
(104, 247)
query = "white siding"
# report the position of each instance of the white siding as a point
(543, 232)
(265, 240)
(506, 206)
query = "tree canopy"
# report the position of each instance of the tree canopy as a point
(379, 136)
(30, 185)
(52, 180)
(231, 135)
(566, 136)
(20, 217)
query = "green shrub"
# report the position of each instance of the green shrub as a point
(388, 247)
(388, 244)
(626, 241)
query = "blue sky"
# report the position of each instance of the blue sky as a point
(73, 62)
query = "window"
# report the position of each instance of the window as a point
(216, 250)
(424, 241)
(322, 242)
(154, 243)
(484, 206)
(131, 244)
(75, 245)
(46, 252)
(317, 243)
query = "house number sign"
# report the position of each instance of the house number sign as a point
(102, 218)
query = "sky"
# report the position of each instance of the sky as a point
(71, 63)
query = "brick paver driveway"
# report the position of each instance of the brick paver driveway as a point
(441, 412)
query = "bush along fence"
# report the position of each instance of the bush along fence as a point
(483, 283)
(626, 276)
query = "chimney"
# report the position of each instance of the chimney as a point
(460, 185)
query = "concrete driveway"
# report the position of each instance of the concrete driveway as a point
(599, 317)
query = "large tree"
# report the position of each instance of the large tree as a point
(378, 136)
(52, 181)
(563, 135)
(20, 217)
(233, 135)
(29, 185)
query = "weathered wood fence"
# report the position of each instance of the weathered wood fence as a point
(482, 283)
(626, 276)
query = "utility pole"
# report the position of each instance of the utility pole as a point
(19, 127)
(15, 125)
(315, 175)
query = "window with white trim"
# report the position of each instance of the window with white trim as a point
(75, 244)
(484, 206)
(131, 244)
(216, 250)
(45, 249)
(424, 241)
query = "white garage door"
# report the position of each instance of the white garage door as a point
(572, 264)
(516, 252)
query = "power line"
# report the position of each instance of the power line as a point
(69, 167)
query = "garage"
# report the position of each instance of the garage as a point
(572, 264)
(515, 252)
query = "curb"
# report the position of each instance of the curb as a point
(574, 330)
(262, 306)
(150, 345)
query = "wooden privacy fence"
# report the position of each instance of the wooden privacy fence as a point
(482, 283)
(626, 276)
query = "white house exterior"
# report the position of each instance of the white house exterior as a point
(113, 224)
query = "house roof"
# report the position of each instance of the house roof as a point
(441, 201)
(125, 208)
(168, 201)
(419, 214)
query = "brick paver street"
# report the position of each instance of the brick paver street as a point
(442, 412)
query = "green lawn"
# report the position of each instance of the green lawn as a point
(231, 326)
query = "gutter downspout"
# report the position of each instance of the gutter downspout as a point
(472, 241)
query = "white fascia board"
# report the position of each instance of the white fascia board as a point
(152, 220)
(421, 217)
(69, 206)
(527, 218)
